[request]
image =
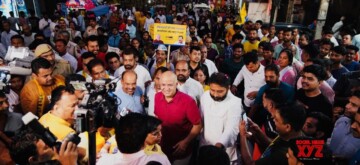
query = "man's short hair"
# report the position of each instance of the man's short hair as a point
(250, 57)
(39, 63)
(236, 46)
(61, 40)
(194, 48)
(293, 114)
(324, 123)
(24, 147)
(160, 69)
(276, 95)
(211, 155)
(87, 55)
(237, 36)
(111, 55)
(57, 93)
(94, 62)
(220, 79)
(131, 132)
(91, 38)
(316, 70)
(129, 51)
(274, 68)
(340, 50)
(268, 47)
(287, 30)
(326, 42)
(312, 50)
(352, 47)
(17, 37)
(259, 21)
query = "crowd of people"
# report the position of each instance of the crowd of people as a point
(234, 94)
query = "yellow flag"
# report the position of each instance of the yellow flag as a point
(242, 15)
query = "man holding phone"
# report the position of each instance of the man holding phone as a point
(221, 112)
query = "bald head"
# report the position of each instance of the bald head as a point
(168, 85)
(128, 82)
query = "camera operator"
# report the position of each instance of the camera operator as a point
(60, 118)
(28, 148)
(130, 93)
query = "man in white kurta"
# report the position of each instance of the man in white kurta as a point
(221, 116)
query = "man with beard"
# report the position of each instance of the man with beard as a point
(233, 65)
(61, 66)
(220, 111)
(343, 143)
(181, 121)
(272, 81)
(195, 57)
(349, 61)
(287, 44)
(130, 94)
(130, 57)
(187, 84)
(36, 93)
(317, 125)
(251, 42)
(336, 57)
(310, 95)
(71, 47)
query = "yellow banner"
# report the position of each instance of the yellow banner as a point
(151, 30)
(169, 34)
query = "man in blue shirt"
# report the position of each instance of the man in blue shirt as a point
(130, 95)
(114, 39)
(355, 126)
(343, 143)
(272, 81)
(337, 55)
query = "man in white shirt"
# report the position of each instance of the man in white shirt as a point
(220, 111)
(154, 88)
(60, 47)
(28, 36)
(148, 21)
(210, 64)
(44, 25)
(143, 75)
(187, 84)
(130, 28)
(92, 28)
(162, 17)
(254, 76)
(7, 34)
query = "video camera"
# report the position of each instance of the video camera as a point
(99, 103)
(49, 138)
(5, 76)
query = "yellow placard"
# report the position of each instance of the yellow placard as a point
(151, 30)
(169, 34)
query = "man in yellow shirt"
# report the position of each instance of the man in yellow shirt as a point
(35, 96)
(252, 41)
